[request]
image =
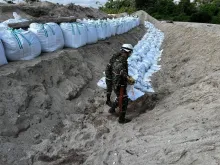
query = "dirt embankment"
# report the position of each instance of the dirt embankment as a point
(184, 126)
(48, 9)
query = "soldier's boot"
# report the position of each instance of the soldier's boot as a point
(122, 119)
(108, 101)
(112, 110)
(113, 107)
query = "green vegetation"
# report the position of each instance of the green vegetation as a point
(207, 11)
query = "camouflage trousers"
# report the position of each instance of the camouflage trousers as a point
(109, 86)
(124, 100)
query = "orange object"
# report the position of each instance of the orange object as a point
(121, 98)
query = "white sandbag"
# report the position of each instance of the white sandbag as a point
(113, 28)
(102, 83)
(20, 45)
(75, 34)
(134, 93)
(17, 19)
(92, 33)
(2, 28)
(120, 28)
(16, 15)
(3, 59)
(108, 28)
(143, 62)
(101, 30)
(50, 36)
(9, 21)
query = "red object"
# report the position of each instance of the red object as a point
(121, 98)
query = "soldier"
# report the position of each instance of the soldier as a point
(108, 79)
(120, 79)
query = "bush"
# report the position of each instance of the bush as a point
(181, 17)
(199, 11)
(201, 17)
(216, 19)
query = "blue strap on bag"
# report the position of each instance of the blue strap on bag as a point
(15, 34)
(50, 28)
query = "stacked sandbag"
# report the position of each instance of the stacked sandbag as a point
(50, 36)
(17, 19)
(91, 30)
(92, 33)
(146, 54)
(2, 28)
(101, 30)
(121, 27)
(3, 59)
(75, 34)
(144, 59)
(114, 26)
(108, 28)
(20, 44)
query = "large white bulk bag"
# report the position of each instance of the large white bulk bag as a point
(101, 30)
(114, 26)
(20, 45)
(50, 36)
(127, 26)
(2, 28)
(120, 28)
(75, 34)
(92, 33)
(3, 59)
(108, 29)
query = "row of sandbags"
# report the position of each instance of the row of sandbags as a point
(25, 45)
(144, 60)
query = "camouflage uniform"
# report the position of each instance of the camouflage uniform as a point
(119, 79)
(108, 73)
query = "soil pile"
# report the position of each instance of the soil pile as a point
(48, 9)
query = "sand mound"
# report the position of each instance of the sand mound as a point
(45, 9)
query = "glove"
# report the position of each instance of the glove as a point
(130, 80)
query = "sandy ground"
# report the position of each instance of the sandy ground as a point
(183, 128)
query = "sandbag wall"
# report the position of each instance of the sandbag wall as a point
(144, 60)
(143, 63)
(19, 44)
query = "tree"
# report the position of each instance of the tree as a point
(140, 4)
(186, 7)
(118, 6)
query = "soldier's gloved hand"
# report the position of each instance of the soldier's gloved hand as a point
(131, 81)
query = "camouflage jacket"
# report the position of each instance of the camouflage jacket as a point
(108, 70)
(120, 72)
